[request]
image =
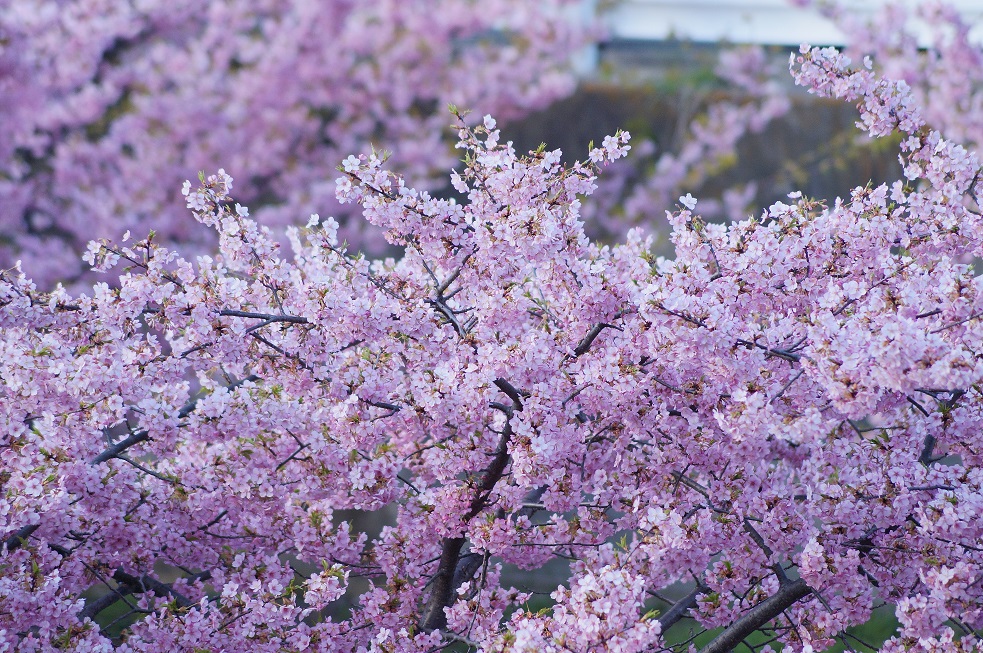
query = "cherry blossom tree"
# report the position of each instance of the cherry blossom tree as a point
(108, 106)
(773, 434)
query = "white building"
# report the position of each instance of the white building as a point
(768, 22)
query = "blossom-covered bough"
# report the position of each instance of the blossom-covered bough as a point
(930, 45)
(772, 435)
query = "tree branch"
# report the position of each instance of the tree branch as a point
(758, 616)
(143, 435)
(512, 393)
(442, 594)
(268, 318)
(18, 539)
(129, 584)
(448, 569)
(679, 609)
(588, 340)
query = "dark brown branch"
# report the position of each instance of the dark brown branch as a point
(18, 539)
(927, 456)
(268, 318)
(758, 616)
(957, 322)
(93, 608)
(756, 536)
(442, 288)
(121, 446)
(690, 483)
(129, 584)
(444, 310)
(785, 354)
(449, 567)
(760, 541)
(492, 475)
(143, 435)
(679, 609)
(511, 392)
(921, 409)
(780, 353)
(148, 583)
(148, 471)
(442, 593)
(588, 340)
(787, 385)
(392, 408)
